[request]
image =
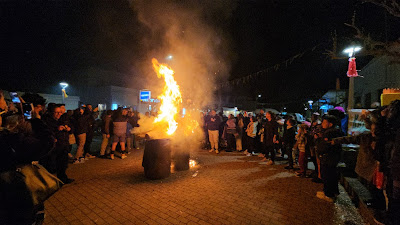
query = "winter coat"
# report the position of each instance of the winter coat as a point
(366, 163)
(213, 125)
(329, 154)
(252, 129)
(120, 125)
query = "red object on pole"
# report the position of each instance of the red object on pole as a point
(352, 71)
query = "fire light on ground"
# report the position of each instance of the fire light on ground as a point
(171, 97)
(192, 163)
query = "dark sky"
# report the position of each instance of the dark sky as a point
(44, 42)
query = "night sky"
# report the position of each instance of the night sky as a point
(44, 42)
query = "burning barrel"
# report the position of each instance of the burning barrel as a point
(181, 160)
(157, 159)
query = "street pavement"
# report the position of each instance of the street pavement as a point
(228, 188)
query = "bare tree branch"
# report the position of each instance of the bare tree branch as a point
(370, 46)
(392, 6)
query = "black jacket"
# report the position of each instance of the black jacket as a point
(289, 137)
(329, 154)
(53, 125)
(23, 148)
(270, 130)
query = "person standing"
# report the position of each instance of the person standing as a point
(91, 115)
(251, 133)
(213, 124)
(230, 133)
(80, 129)
(288, 140)
(105, 131)
(60, 129)
(240, 130)
(119, 132)
(270, 138)
(329, 156)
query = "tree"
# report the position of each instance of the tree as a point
(372, 47)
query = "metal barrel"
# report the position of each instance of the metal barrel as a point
(157, 159)
(181, 160)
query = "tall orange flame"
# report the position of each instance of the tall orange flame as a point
(170, 98)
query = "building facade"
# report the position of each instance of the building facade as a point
(382, 72)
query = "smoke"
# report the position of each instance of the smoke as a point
(194, 33)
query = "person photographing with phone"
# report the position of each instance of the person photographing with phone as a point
(57, 162)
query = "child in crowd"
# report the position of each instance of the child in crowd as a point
(329, 156)
(301, 143)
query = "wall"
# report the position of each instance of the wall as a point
(380, 73)
(71, 103)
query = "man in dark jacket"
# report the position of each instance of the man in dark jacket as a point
(329, 155)
(60, 130)
(213, 124)
(91, 120)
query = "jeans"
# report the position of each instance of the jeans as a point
(88, 142)
(214, 138)
(104, 144)
(81, 139)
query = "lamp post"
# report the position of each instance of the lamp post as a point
(351, 51)
(63, 86)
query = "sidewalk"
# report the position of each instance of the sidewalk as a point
(228, 188)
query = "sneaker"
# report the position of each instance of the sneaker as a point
(288, 167)
(300, 175)
(249, 154)
(211, 150)
(324, 197)
(123, 156)
(216, 151)
(89, 156)
(261, 155)
(77, 161)
(112, 156)
(264, 160)
(270, 162)
(246, 152)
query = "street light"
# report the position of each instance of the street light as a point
(351, 52)
(63, 93)
(169, 57)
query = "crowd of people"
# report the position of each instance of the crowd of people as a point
(49, 133)
(320, 142)
(33, 132)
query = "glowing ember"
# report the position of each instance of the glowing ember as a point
(170, 98)
(192, 163)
